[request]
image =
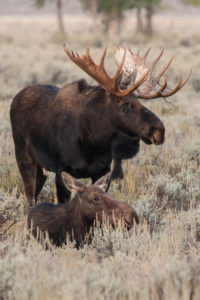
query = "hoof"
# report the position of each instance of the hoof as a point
(33, 203)
(28, 206)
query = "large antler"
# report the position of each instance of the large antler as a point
(98, 72)
(134, 64)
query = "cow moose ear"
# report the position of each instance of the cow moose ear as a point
(104, 182)
(71, 183)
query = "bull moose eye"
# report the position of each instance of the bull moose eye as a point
(96, 198)
(126, 107)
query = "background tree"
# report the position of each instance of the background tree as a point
(140, 25)
(59, 6)
(150, 7)
(112, 12)
(93, 7)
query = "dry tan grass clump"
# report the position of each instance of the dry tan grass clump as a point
(114, 266)
(159, 260)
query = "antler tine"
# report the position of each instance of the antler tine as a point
(177, 87)
(87, 55)
(137, 84)
(120, 67)
(160, 94)
(110, 84)
(145, 56)
(101, 64)
(98, 72)
(103, 58)
(157, 78)
(128, 49)
(157, 94)
(66, 50)
(156, 60)
(144, 76)
(87, 50)
(187, 78)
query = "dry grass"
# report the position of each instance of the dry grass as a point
(161, 260)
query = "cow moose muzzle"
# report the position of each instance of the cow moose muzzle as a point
(127, 215)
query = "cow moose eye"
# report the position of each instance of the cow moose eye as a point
(96, 198)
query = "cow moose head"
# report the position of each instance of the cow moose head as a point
(95, 203)
(76, 217)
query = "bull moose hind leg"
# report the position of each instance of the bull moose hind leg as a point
(28, 169)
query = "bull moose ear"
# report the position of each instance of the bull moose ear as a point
(104, 182)
(71, 183)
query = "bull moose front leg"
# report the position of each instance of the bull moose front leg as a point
(41, 177)
(63, 194)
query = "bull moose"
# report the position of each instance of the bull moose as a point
(77, 216)
(80, 128)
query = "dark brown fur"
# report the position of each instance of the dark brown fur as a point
(77, 216)
(77, 129)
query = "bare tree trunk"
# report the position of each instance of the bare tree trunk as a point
(149, 25)
(59, 6)
(105, 23)
(112, 23)
(119, 22)
(94, 15)
(112, 27)
(139, 26)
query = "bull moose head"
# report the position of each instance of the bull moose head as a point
(131, 116)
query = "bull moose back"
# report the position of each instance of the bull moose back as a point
(80, 128)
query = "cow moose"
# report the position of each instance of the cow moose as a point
(76, 217)
(80, 128)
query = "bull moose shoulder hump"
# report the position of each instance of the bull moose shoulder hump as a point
(80, 128)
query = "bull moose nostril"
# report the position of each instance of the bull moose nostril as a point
(151, 130)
